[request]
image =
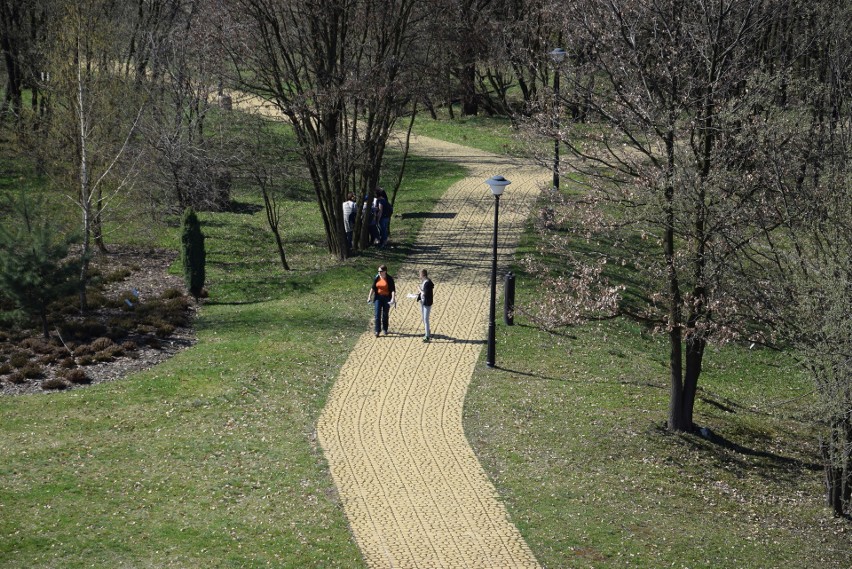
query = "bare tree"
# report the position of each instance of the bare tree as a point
(671, 190)
(93, 113)
(190, 160)
(341, 72)
(797, 282)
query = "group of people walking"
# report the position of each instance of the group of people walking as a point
(383, 296)
(383, 290)
(377, 214)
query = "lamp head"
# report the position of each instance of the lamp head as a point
(497, 183)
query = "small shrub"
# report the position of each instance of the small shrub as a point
(5, 368)
(86, 360)
(173, 293)
(32, 370)
(19, 359)
(50, 358)
(17, 378)
(164, 329)
(83, 330)
(101, 344)
(125, 322)
(147, 329)
(117, 275)
(129, 346)
(96, 300)
(68, 363)
(36, 345)
(54, 383)
(103, 356)
(78, 376)
(84, 350)
(115, 350)
(69, 309)
(153, 342)
(116, 333)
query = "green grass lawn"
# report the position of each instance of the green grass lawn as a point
(210, 459)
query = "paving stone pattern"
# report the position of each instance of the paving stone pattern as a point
(412, 488)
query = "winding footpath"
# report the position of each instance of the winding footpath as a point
(412, 488)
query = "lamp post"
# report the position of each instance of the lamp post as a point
(497, 184)
(557, 56)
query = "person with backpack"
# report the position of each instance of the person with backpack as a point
(383, 297)
(425, 297)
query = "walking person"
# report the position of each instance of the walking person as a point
(425, 297)
(383, 293)
(349, 210)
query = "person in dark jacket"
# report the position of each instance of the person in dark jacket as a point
(383, 293)
(386, 211)
(425, 297)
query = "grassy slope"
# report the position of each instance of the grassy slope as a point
(210, 459)
(570, 429)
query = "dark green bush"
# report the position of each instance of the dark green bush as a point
(172, 293)
(101, 344)
(84, 350)
(82, 331)
(32, 370)
(17, 378)
(193, 254)
(117, 275)
(19, 359)
(164, 329)
(78, 376)
(50, 358)
(54, 383)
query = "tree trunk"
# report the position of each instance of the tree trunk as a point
(833, 477)
(470, 104)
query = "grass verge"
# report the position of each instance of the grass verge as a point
(210, 459)
(571, 430)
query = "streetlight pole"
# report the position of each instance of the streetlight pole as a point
(557, 55)
(497, 184)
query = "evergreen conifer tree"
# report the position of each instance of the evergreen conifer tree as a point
(192, 252)
(34, 266)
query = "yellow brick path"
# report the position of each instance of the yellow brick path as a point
(412, 488)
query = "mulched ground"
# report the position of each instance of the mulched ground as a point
(148, 275)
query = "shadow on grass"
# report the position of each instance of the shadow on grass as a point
(773, 465)
(244, 208)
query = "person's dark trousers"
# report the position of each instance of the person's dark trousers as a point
(384, 230)
(382, 314)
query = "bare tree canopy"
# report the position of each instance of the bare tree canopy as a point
(342, 73)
